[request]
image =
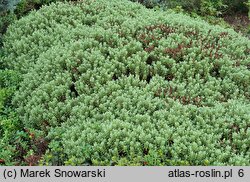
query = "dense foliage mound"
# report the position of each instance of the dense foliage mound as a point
(111, 82)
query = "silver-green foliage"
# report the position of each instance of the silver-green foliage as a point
(112, 82)
(6, 5)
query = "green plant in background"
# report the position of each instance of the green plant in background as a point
(201, 7)
(8, 5)
(179, 9)
(9, 123)
(130, 86)
(212, 8)
(248, 5)
(5, 20)
(207, 10)
(151, 3)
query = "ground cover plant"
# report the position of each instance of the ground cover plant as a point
(113, 83)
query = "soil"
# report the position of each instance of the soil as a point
(240, 22)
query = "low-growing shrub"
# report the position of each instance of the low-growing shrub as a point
(10, 10)
(114, 83)
(25, 6)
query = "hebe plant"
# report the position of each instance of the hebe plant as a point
(113, 83)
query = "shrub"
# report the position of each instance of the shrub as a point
(9, 123)
(113, 83)
(25, 6)
(6, 5)
(10, 10)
